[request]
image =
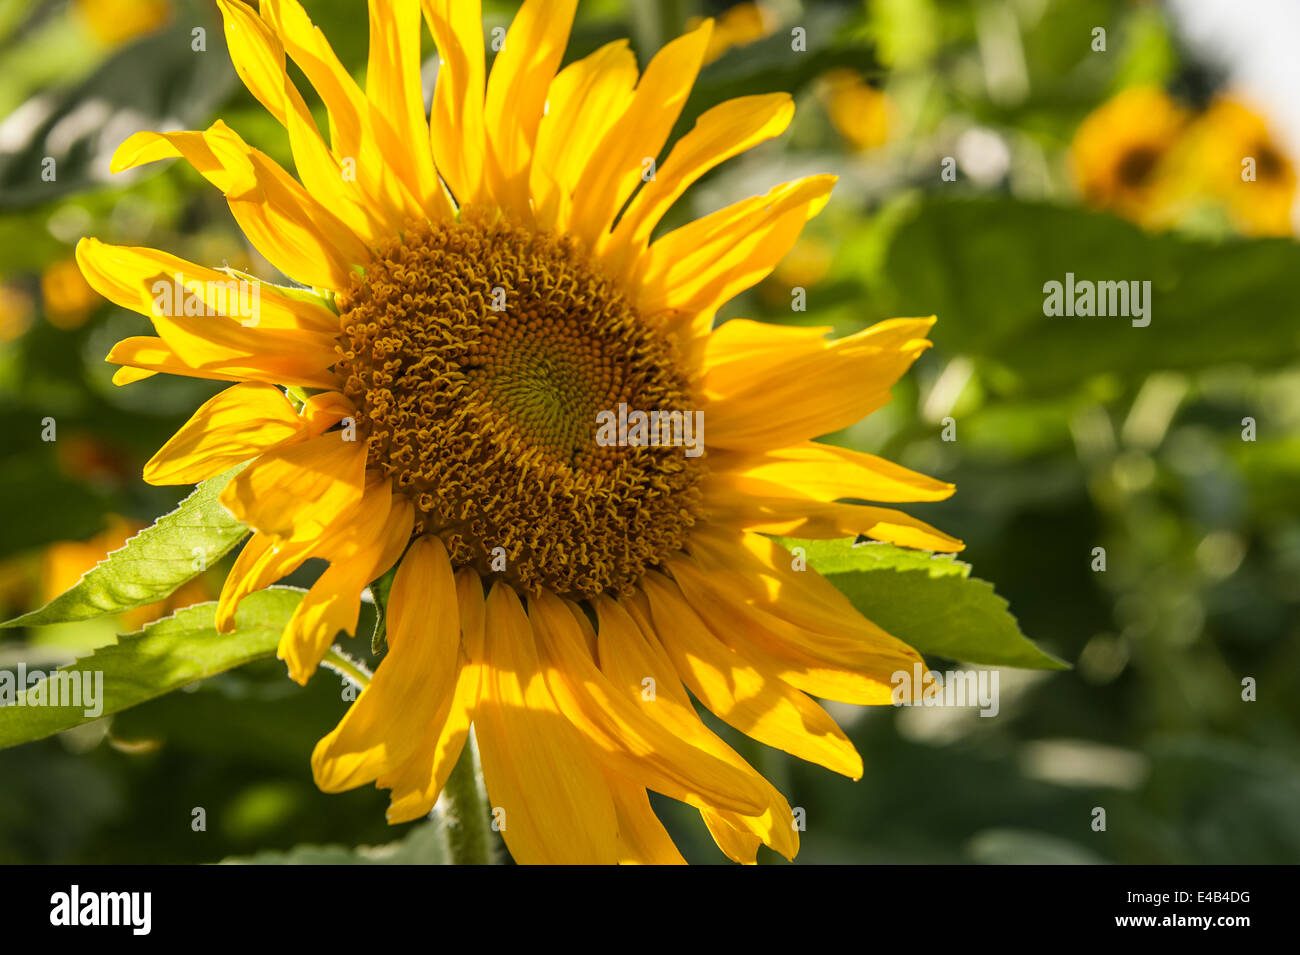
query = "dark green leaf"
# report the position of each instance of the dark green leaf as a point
(981, 265)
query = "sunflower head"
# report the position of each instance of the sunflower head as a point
(1119, 152)
(477, 286)
(1241, 164)
(479, 354)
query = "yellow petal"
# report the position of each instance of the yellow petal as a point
(296, 233)
(750, 409)
(333, 603)
(826, 473)
(219, 344)
(642, 838)
(393, 86)
(833, 666)
(797, 608)
(259, 58)
(585, 99)
(641, 748)
(469, 595)
(629, 654)
(301, 489)
(726, 130)
(738, 845)
(412, 688)
(756, 703)
(129, 376)
(618, 164)
(310, 50)
(125, 275)
(234, 425)
(358, 132)
(257, 55)
(263, 560)
(516, 95)
(766, 508)
(267, 558)
(456, 124)
(326, 409)
(417, 782)
(145, 355)
(291, 228)
(764, 571)
(556, 805)
(762, 347)
(221, 159)
(704, 264)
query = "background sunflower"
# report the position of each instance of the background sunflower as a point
(1067, 437)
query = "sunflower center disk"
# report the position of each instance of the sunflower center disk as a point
(479, 355)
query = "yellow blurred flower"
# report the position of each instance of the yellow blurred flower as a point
(862, 114)
(803, 267)
(1120, 149)
(67, 296)
(90, 459)
(15, 312)
(1239, 163)
(114, 22)
(741, 25)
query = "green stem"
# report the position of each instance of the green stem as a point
(465, 814)
(344, 665)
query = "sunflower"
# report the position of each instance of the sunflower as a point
(1240, 163)
(478, 285)
(736, 26)
(860, 113)
(114, 22)
(1119, 153)
(67, 299)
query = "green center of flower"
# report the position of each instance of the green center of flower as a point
(481, 356)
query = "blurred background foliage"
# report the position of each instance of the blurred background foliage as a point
(1071, 433)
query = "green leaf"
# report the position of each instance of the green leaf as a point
(425, 844)
(1211, 302)
(166, 655)
(929, 602)
(380, 590)
(153, 563)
